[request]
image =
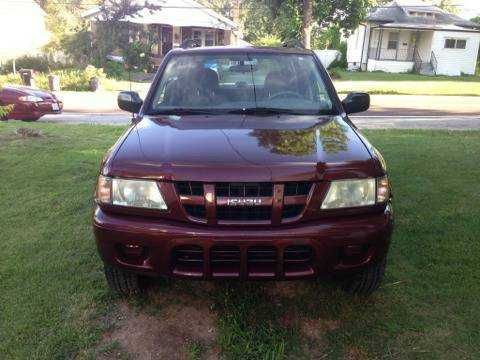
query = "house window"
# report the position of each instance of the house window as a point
(455, 44)
(209, 38)
(392, 41)
(461, 44)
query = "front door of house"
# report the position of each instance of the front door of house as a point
(167, 39)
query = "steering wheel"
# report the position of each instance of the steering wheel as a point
(285, 94)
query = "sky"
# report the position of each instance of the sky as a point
(468, 8)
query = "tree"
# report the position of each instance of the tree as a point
(298, 18)
(448, 6)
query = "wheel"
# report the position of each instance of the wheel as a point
(122, 282)
(367, 281)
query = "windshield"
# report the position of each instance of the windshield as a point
(283, 83)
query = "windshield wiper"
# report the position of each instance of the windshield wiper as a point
(261, 111)
(182, 111)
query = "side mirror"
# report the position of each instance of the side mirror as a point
(356, 102)
(129, 101)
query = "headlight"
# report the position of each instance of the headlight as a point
(30, 98)
(355, 193)
(131, 193)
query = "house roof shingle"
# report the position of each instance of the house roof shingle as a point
(399, 12)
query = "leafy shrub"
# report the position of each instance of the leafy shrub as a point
(335, 73)
(342, 63)
(37, 63)
(114, 70)
(10, 79)
(268, 40)
(5, 110)
(137, 56)
(70, 79)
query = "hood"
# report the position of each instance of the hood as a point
(242, 148)
(24, 90)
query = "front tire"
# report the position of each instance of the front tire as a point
(121, 282)
(366, 281)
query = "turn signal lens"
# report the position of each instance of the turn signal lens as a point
(383, 189)
(104, 190)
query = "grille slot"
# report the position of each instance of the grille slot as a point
(262, 254)
(291, 211)
(225, 254)
(243, 189)
(244, 213)
(189, 188)
(298, 254)
(297, 188)
(196, 211)
(189, 254)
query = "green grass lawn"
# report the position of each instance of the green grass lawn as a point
(406, 84)
(54, 302)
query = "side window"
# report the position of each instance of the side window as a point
(455, 43)
(392, 41)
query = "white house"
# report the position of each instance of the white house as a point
(174, 22)
(407, 35)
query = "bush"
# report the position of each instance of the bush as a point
(268, 40)
(342, 63)
(137, 56)
(10, 79)
(70, 79)
(114, 70)
(37, 63)
(5, 110)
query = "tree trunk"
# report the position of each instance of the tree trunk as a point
(307, 23)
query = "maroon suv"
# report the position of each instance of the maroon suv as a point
(242, 163)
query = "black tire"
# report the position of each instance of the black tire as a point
(367, 281)
(122, 282)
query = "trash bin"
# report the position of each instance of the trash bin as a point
(27, 77)
(94, 84)
(54, 82)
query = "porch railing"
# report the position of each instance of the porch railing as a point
(434, 62)
(376, 53)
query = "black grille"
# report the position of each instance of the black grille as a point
(189, 188)
(225, 255)
(243, 189)
(291, 211)
(188, 255)
(262, 254)
(297, 188)
(196, 211)
(244, 213)
(298, 254)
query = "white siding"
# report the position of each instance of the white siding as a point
(355, 43)
(454, 62)
(390, 66)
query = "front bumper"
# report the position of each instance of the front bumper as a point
(152, 247)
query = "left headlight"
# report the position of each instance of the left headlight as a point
(30, 98)
(356, 193)
(131, 193)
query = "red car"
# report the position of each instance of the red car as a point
(242, 163)
(29, 104)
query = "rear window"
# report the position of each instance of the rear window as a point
(289, 82)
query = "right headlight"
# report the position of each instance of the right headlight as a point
(356, 193)
(130, 193)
